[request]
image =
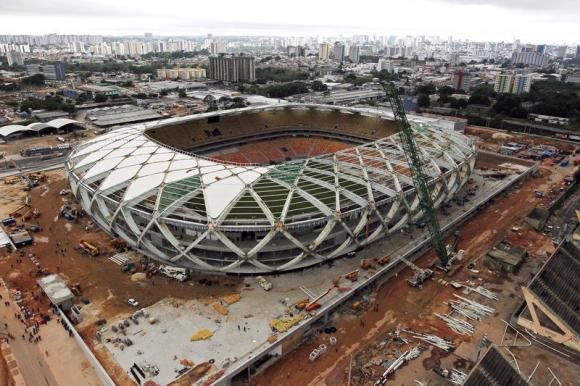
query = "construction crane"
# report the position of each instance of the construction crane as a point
(420, 178)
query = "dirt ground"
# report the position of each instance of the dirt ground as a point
(104, 287)
(396, 304)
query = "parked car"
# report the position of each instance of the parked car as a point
(133, 302)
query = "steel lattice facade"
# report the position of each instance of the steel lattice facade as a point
(204, 214)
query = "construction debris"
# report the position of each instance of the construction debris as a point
(203, 334)
(220, 308)
(460, 326)
(457, 377)
(407, 356)
(231, 299)
(286, 323)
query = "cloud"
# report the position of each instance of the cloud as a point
(553, 6)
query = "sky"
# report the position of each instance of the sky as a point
(531, 21)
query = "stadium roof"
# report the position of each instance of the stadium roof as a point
(494, 369)
(557, 287)
(377, 169)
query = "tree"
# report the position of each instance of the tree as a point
(427, 89)
(445, 93)
(34, 80)
(481, 95)
(423, 100)
(318, 86)
(506, 103)
(181, 93)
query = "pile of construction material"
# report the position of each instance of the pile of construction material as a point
(433, 340)
(469, 308)
(459, 326)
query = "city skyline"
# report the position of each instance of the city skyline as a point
(529, 21)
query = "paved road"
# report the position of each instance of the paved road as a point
(32, 362)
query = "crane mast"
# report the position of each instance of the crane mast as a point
(420, 177)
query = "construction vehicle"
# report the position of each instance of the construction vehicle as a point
(384, 260)
(89, 248)
(420, 177)
(352, 276)
(128, 266)
(366, 264)
(265, 284)
(179, 274)
(420, 276)
(11, 180)
(16, 212)
(301, 304)
(314, 305)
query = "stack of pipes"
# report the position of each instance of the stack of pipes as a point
(434, 340)
(469, 308)
(460, 326)
(485, 292)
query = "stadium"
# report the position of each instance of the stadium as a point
(262, 189)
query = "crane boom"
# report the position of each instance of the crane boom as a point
(420, 178)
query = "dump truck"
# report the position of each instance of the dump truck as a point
(89, 248)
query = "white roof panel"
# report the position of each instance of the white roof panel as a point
(220, 194)
(161, 157)
(134, 160)
(121, 152)
(143, 185)
(180, 174)
(183, 164)
(249, 176)
(93, 157)
(103, 166)
(208, 178)
(144, 150)
(154, 168)
(119, 176)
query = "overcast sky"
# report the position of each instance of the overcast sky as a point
(534, 21)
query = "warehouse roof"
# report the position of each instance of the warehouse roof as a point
(58, 123)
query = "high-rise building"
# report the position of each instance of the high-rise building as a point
(216, 48)
(561, 52)
(15, 57)
(324, 51)
(354, 54)
(578, 53)
(384, 64)
(50, 71)
(522, 84)
(530, 58)
(339, 51)
(461, 80)
(296, 51)
(232, 68)
(503, 83)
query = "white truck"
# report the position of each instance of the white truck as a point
(179, 274)
(265, 284)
